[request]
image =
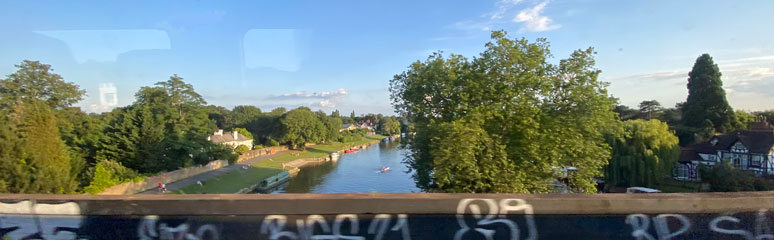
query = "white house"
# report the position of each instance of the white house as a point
(366, 126)
(234, 139)
(347, 127)
(751, 150)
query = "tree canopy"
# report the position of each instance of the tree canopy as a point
(532, 114)
(35, 81)
(165, 129)
(389, 126)
(706, 106)
(300, 126)
(33, 157)
(650, 109)
(643, 154)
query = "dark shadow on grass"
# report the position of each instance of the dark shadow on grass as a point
(313, 150)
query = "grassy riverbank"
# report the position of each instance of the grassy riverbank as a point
(236, 180)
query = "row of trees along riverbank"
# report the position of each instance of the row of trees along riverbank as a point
(48, 146)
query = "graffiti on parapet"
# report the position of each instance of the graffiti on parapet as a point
(475, 217)
(29, 220)
(275, 226)
(681, 225)
(495, 214)
(151, 228)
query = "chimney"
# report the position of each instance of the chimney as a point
(761, 124)
(236, 135)
(218, 133)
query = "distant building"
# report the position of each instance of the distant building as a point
(751, 150)
(366, 126)
(347, 127)
(234, 139)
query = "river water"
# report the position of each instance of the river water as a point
(356, 173)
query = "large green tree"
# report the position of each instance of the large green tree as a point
(539, 114)
(36, 100)
(300, 126)
(389, 125)
(81, 133)
(241, 116)
(36, 81)
(165, 129)
(181, 95)
(643, 154)
(706, 106)
(332, 126)
(33, 157)
(650, 109)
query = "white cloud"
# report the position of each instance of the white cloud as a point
(669, 75)
(304, 94)
(326, 103)
(328, 99)
(750, 59)
(471, 25)
(533, 20)
(503, 6)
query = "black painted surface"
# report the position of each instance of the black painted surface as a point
(369, 226)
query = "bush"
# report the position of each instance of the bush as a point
(241, 149)
(273, 143)
(725, 178)
(221, 152)
(110, 173)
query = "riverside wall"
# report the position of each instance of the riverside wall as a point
(168, 177)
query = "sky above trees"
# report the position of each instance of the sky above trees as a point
(341, 54)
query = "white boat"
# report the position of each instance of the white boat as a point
(384, 169)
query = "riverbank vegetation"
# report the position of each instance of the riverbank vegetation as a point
(49, 146)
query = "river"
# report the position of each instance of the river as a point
(356, 173)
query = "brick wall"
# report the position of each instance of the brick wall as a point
(168, 177)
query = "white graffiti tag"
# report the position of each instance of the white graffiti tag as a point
(496, 213)
(28, 220)
(276, 227)
(150, 229)
(641, 223)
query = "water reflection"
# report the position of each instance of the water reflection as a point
(356, 173)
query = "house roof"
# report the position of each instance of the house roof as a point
(346, 125)
(228, 138)
(688, 154)
(756, 141)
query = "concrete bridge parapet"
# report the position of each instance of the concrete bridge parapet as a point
(389, 216)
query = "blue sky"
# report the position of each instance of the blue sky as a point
(341, 54)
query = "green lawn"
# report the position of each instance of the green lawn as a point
(236, 180)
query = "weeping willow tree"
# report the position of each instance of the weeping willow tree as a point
(643, 155)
